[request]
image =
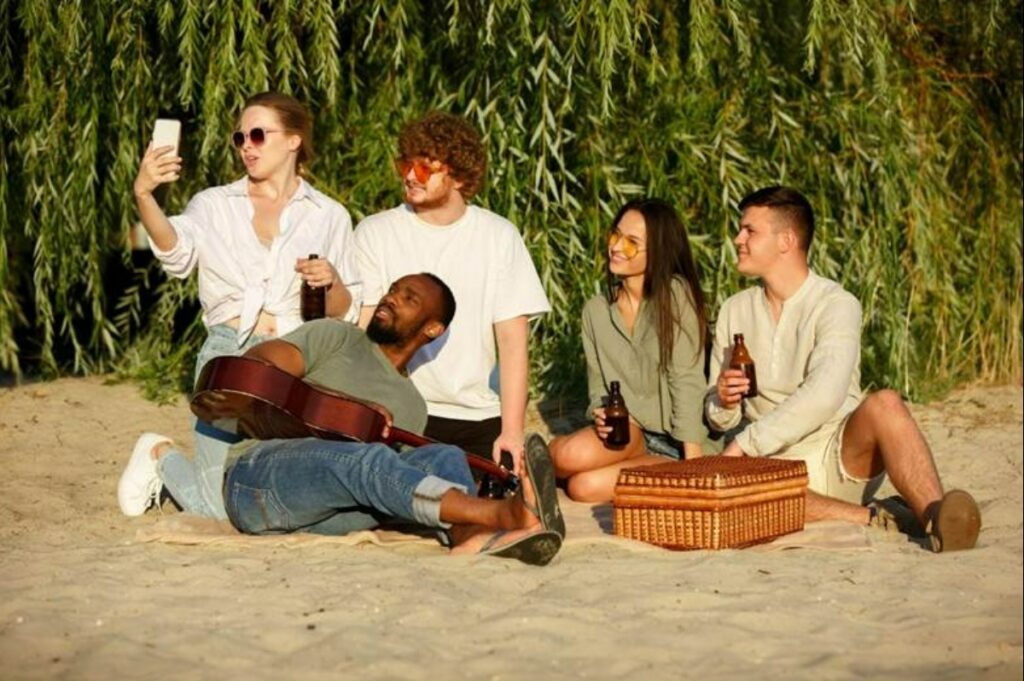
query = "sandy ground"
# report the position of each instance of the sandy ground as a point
(80, 597)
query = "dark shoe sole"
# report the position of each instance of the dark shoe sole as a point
(541, 472)
(533, 549)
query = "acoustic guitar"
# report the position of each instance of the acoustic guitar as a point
(269, 403)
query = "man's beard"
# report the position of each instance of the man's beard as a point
(381, 334)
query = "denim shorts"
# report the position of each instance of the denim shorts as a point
(662, 444)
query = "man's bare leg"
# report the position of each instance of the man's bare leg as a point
(820, 507)
(475, 521)
(882, 435)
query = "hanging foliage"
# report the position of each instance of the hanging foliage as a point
(900, 120)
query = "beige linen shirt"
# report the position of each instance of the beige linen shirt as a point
(808, 365)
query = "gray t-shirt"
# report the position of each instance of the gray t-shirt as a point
(340, 357)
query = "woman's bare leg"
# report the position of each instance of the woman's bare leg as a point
(591, 468)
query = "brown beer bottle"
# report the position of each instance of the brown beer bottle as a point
(312, 299)
(741, 360)
(616, 416)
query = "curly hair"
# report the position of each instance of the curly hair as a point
(451, 140)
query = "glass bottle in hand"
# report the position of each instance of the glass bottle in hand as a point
(742, 360)
(616, 417)
(312, 299)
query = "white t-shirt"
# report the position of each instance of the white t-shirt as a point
(483, 259)
(239, 276)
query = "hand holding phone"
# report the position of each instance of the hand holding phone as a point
(167, 132)
(159, 164)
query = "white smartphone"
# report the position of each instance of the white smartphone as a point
(167, 131)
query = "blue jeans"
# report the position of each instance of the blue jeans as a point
(196, 483)
(330, 487)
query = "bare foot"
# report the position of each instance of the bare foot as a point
(470, 539)
(517, 507)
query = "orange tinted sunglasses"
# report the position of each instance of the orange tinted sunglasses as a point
(420, 168)
(630, 246)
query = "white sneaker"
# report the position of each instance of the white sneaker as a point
(139, 486)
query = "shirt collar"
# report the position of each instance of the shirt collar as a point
(240, 187)
(809, 283)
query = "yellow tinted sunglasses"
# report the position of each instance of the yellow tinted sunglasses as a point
(630, 245)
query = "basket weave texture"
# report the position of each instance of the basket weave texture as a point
(714, 502)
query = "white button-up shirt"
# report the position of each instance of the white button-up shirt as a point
(239, 276)
(808, 364)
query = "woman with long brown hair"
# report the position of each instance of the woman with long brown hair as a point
(648, 333)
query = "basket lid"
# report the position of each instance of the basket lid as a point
(714, 472)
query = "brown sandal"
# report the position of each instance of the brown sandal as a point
(956, 523)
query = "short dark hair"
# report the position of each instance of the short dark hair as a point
(447, 138)
(793, 205)
(447, 299)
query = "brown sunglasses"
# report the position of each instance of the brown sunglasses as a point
(256, 135)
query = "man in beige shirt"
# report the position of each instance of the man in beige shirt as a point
(803, 333)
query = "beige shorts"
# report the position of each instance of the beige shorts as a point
(825, 472)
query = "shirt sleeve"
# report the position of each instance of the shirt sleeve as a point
(368, 264)
(341, 253)
(519, 289)
(319, 339)
(686, 382)
(720, 418)
(824, 388)
(180, 260)
(595, 380)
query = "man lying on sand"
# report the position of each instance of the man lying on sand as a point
(331, 487)
(803, 333)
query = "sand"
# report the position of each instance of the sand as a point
(82, 597)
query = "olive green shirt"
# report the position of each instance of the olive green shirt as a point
(668, 400)
(340, 357)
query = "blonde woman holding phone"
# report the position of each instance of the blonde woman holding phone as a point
(250, 242)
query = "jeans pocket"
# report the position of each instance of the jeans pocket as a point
(257, 511)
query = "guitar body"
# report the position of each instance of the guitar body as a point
(269, 403)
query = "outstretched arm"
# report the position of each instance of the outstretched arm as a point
(280, 354)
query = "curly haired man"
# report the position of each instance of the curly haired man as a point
(475, 383)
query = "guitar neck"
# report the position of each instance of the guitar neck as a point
(476, 461)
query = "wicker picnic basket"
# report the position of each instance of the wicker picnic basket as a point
(714, 502)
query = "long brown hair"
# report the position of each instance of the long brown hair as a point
(295, 119)
(668, 257)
